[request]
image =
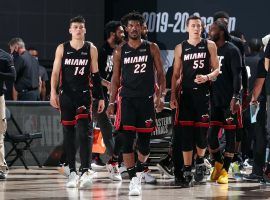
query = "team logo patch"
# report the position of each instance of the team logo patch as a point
(205, 118)
(229, 120)
(148, 123)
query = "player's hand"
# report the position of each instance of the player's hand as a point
(173, 103)
(54, 100)
(110, 110)
(201, 79)
(159, 104)
(234, 105)
(101, 106)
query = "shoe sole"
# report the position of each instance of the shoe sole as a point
(164, 171)
(135, 194)
(86, 186)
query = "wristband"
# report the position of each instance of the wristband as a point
(208, 79)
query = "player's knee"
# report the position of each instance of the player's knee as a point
(187, 146)
(128, 141)
(202, 142)
(144, 149)
(213, 137)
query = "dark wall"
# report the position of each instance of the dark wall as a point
(44, 23)
(166, 18)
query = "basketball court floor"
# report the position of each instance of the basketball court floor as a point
(48, 184)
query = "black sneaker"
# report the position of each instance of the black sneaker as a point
(178, 180)
(199, 173)
(166, 166)
(188, 179)
(2, 175)
(252, 177)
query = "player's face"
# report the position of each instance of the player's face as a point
(194, 28)
(119, 35)
(144, 30)
(33, 53)
(134, 29)
(214, 33)
(225, 20)
(77, 30)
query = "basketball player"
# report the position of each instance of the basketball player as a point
(225, 101)
(75, 63)
(196, 64)
(135, 65)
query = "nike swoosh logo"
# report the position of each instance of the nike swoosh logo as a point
(69, 52)
(126, 52)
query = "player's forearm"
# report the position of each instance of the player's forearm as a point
(257, 88)
(213, 75)
(237, 85)
(114, 89)
(266, 63)
(173, 86)
(54, 83)
(161, 84)
(105, 83)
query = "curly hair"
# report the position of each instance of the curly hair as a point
(136, 16)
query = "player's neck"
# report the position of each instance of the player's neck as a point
(76, 44)
(220, 43)
(194, 41)
(134, 43)
(111, 42)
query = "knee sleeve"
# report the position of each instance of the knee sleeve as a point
(187, 138)
(128, 138)
(201, 138)
(213, 137)
(230, 141)
(143, 143)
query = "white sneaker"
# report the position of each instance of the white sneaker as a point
(247, 165)
(135, 188)
(147, 177)
(122, 168)
(86, 179)
(72, 180)
(64, 170)
(113, 171)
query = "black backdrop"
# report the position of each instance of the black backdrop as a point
(166, 18)
(44, 23)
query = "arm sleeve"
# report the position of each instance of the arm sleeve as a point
(236, 68)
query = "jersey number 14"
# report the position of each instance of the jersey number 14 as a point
(80, 72)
